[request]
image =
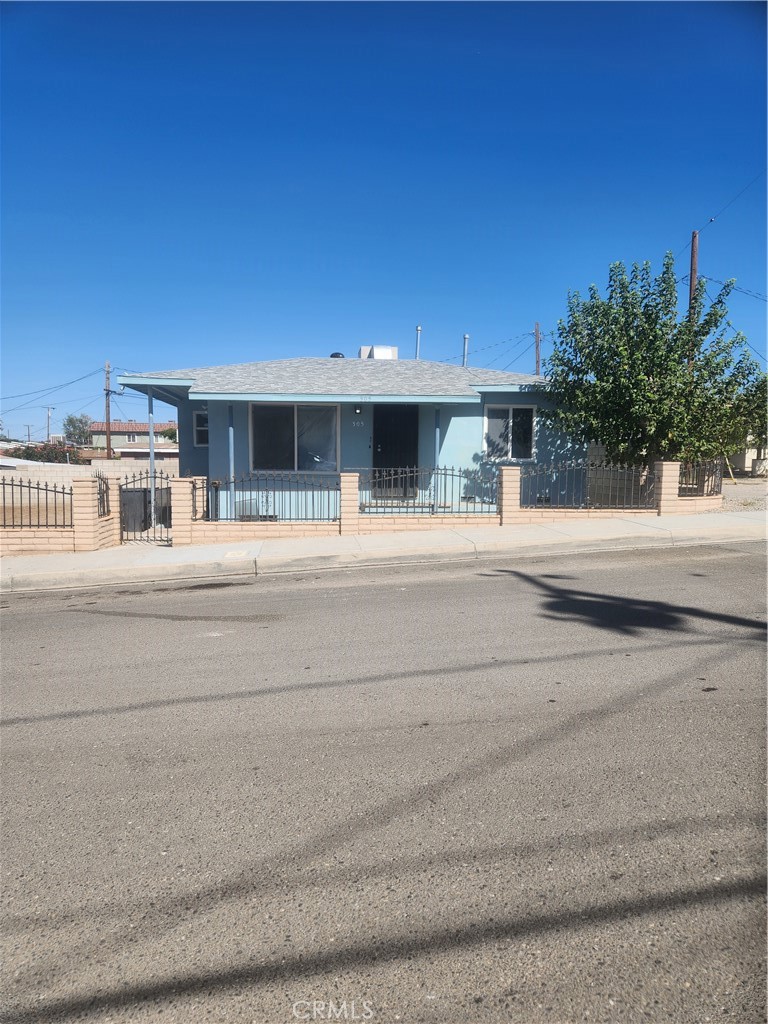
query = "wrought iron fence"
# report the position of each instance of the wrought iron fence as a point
(103, 483)
(145, 507)
(28, 503)
(700, 479)
(198, 500)
(438, 491)
(587, 485)
(271, 497)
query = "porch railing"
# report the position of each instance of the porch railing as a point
(431, 491)
(274, 497)
(28, 503)
(701, 479)
(587, 485)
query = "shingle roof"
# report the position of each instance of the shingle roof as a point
(312, 376)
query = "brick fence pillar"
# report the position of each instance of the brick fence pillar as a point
(85, 513)
(181, 510)
(509, 493)
(667, 486)
(349, 503)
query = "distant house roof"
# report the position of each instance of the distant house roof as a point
(359, 379)
(129, 427)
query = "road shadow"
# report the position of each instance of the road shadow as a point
(627, 616)
(377, 679)
(380, 949)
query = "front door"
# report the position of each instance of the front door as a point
(395, 449)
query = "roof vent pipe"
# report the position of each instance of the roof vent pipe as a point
(466, 347)
(418, 341)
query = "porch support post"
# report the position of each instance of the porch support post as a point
(437, 436)
(151, 426)
(231, 443)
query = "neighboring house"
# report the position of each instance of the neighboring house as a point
(336, 414)
(130, 440)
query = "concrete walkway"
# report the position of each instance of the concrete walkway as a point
(148, 563)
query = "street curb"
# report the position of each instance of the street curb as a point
(84, 578)
(249, 569)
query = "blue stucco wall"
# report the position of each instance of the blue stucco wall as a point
(356, 436)
(192, 461)
(462, 431)
(461, 436)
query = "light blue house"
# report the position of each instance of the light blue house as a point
(372, 413)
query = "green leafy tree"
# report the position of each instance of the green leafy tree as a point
(46, 453)
(753, 422)
(628, 372)
(169, 433)
(77, 429)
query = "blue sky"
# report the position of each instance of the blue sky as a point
(195, 184)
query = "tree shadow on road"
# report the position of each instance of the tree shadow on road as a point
(628, 616)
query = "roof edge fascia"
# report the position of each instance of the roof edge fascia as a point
(208, 396)
(500, 388)
(149, 382)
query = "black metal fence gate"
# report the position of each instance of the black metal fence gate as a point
(145, 508)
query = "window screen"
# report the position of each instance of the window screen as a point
(316, 432)
(201, 429)
(521, 434)
(294, 437)
(509, 432)
(273, 446)
(497, 437)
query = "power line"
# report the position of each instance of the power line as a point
(477, 351)
(520, 356)
(735, 288)
(744, 291)
(732, 201)
(729, 203)
(56, 387)
(759, 354)
(737, 331)
(46, 394)
(521, 338)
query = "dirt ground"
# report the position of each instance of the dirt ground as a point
(745, 493)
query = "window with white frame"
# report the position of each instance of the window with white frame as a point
(200, 429)
(509, 431)
(130, 438)
(294, 437)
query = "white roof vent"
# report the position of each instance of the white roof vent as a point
(378, 352)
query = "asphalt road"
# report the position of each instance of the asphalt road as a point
(487, 791)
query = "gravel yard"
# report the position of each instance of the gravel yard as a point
(745, 493)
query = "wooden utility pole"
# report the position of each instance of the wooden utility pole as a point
(693, 280)
(537, 336)
(29, 427)
(694, 276)
(107, 421)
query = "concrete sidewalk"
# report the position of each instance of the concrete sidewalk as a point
(148, 563)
